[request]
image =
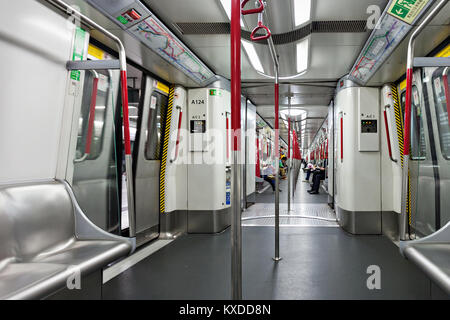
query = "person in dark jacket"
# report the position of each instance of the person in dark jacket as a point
(318, 174)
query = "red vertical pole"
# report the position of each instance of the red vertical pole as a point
(406, 142)
(277, 107)
(289, 138)
(126, 120)
(235, 73)
(236, 231)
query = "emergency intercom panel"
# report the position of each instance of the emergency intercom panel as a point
(368, 124)
(198, 120)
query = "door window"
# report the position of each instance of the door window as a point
(441, 107)
(154, 126)
(418, 146)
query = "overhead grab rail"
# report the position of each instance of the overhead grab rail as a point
(388, 136)
(177, 143)
(87, 148)
(123, 81)
(407, 130)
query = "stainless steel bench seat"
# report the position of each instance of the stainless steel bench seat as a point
(434, 260)
(44, 235)
(432, 255)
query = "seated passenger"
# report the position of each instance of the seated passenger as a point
(283, 168)
(268, 174)
(319, 174)
(309, 169)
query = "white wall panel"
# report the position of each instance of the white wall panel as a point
(35, 46)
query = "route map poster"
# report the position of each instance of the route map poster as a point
(163, 42)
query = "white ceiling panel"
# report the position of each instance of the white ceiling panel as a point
(344, 9)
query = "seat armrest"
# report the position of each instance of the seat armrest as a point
(86, 230)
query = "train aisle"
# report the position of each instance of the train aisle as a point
(319, 262)
(306, 209)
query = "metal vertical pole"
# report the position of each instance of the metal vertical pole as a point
(289, 153)
(236, 232)
(277, 166)
(406, 136)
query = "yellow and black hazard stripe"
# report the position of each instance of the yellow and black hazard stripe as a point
(399, 125)
(398, 120)
(162, 176)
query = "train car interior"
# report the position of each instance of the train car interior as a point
(225, 149)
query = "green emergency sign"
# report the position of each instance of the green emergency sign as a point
(407, 10)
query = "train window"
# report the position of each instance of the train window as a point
(418, 147)
(99, 115)
(154, 124)
(441, 107)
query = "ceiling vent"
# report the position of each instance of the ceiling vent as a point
(210, 28)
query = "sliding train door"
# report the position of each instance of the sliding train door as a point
(438, 94)
(147, 159)
(422, 177)
(92, 169)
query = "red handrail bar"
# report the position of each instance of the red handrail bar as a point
(227, 136)
(254, 10)
(388, 136)
(177, 143)
(87, 149)
(342, 137)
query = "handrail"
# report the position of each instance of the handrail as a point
(227, 128)
(407, 130)
(342, 136)
(126, 121)
(252, 11)
(180, 116)
(388, 136)
(87, 149)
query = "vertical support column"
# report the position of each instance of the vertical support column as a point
(289, 161)
(406, 148)
(128, 158)
(277, 171)
(236, 231)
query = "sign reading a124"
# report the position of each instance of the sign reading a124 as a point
(407, 10)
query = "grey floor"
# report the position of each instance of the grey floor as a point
(319, 262)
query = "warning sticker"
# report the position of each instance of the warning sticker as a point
(437, 85)
(78, 51)
(416, 97)
(153, 102)
(407, 10)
